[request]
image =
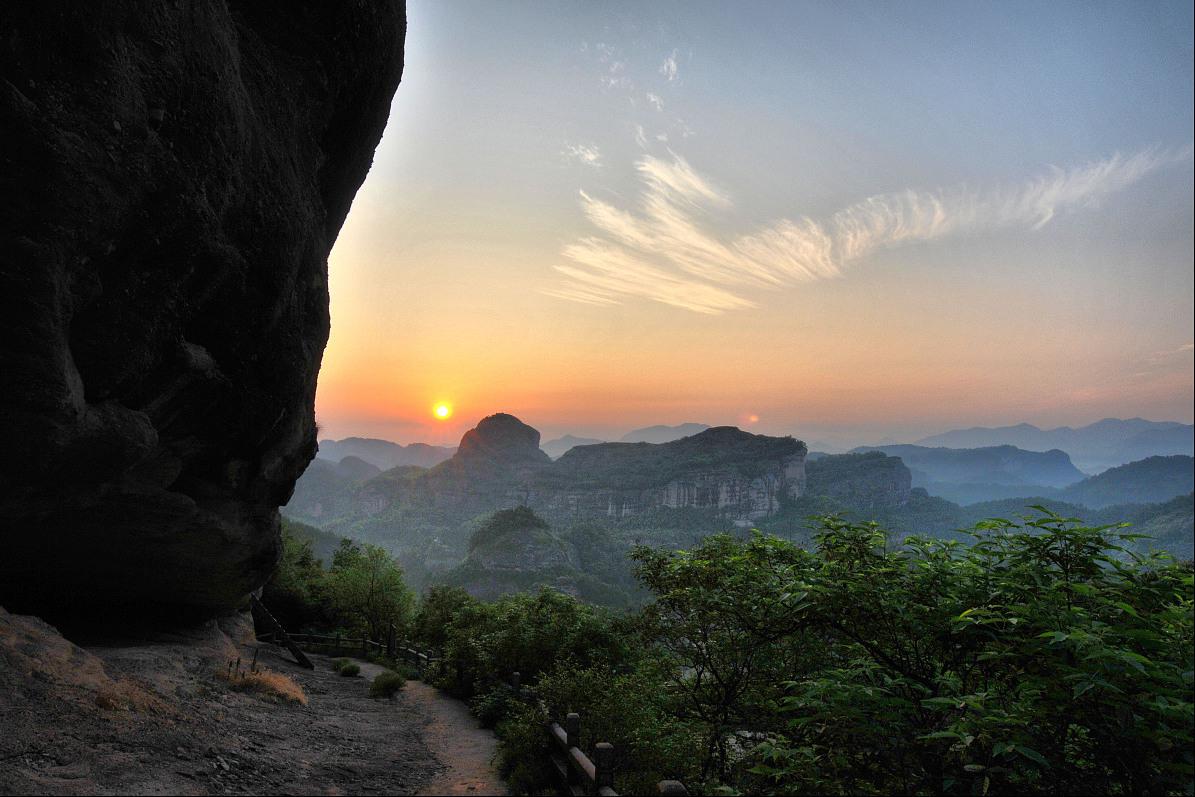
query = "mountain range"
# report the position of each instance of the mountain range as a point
(1092, 448)
(599, 499)
(969, 475)
(383, 453)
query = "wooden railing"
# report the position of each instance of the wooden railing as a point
(393, 648)
(580, 774)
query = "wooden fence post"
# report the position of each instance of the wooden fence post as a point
(390, 642)
(603, 766)
(516, 681)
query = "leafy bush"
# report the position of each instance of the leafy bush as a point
(362, 593)
(528, 634)
(1038, 659)
(493, 706)
(1045, 657)
(349, 669)
(386, 684)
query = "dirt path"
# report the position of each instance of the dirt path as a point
(152, 717)
(454, 736)
(342, 742)
(463, 748)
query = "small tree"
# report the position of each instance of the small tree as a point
(367, 589)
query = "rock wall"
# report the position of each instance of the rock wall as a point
(739, 475)
(172, 178)
(729, 493)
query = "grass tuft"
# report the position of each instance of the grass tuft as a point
(266, 684)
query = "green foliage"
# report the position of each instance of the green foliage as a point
(349, 669)
(519, 520)
(437, 609)
(387, 684)
(492, 706)
(528, 634)
(1046, 657)
(1035, 661)
(366, 589)
(364, 592)
(294, 594)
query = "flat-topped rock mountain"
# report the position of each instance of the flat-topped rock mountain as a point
(174, 177)
(499, 464)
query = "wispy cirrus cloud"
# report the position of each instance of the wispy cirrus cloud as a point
(668, 250)
(587, 154)
(669, 68)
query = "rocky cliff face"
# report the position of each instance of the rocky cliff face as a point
(171, 181)
(738, 475)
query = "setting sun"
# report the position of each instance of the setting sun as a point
(442, 411)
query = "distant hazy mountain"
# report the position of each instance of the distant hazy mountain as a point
(1151, 480)
(383, 453)
(1099, 446)
(556, 448)
(663, 434)
(968, 475)
(323, 543)
(325, 488)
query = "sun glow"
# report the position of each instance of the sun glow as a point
(442, 411)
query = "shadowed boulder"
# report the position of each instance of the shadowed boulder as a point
(173, 177)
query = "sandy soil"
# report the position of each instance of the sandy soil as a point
(153, 718)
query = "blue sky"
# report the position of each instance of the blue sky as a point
(826, 216)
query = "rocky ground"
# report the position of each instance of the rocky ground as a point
(153, 717)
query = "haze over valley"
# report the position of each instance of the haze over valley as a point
(589, 501)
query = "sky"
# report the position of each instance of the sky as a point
(849, 222)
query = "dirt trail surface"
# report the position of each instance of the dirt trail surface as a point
(154, 719)
(466, 749)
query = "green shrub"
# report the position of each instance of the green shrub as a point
(1045, 658)
(386, 684)
(523, 752)
(493, 706)
(349, 669)
(528, 634)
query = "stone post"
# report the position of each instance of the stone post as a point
(603, 766)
